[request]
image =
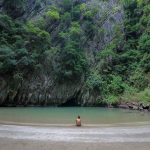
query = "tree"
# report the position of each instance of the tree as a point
(14, 8)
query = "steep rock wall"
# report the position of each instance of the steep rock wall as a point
(42, 87)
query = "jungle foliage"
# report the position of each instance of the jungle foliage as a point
(60, 34)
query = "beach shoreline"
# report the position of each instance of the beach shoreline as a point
(84, 125)
(11, 144)
(23, 137)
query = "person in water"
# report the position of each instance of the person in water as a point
(78, 121)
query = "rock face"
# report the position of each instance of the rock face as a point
(134, 106)
(42, 88)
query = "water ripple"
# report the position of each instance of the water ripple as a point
(107, 134)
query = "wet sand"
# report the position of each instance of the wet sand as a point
(9, 144)
(16, 137)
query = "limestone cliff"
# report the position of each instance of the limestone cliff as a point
(42, 87)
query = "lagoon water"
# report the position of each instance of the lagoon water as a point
(54, 127)
(66, 115)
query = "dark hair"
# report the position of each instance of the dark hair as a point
(78, 117)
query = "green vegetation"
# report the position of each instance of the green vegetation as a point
(20, 46)
(62, 35)
(125, 62)
(14, 8)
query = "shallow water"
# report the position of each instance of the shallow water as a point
(102, 128)
(67, 115)
(77, 134)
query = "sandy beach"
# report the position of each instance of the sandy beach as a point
(19, 137)
(9, 144)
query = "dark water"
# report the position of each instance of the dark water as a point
(67, 115)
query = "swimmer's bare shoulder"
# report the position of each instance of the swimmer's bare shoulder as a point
(78, 121)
